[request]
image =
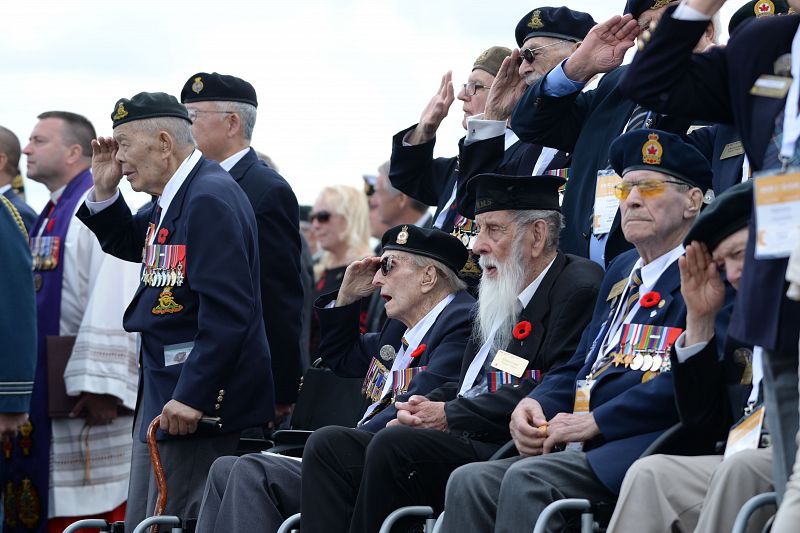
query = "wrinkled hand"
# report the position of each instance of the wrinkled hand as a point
(507, 88)
(420, 412)
(567, 427)
(101, 409)
(528, 427)
(357, 281)
(10, 424)
(106, 170)
(179, 419)
(435, 112)
(603, 49)
(703, 292)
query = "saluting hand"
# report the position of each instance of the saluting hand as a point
(507, 88)
(106, 170)
(703, 292)
(357, 281)
(435, 112)
(603, 49)
(179, 419)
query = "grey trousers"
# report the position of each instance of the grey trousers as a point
(186, 463)
(789, 513)
(509, 494)
(675, 494)
(781, 400)
(255, 492)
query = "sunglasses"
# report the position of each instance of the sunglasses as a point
(648, 188)
(321, 216)
(387, 263)
(529, 54)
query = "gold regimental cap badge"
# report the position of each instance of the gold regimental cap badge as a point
(765, 8)
(402, 237)
(197, 86)
(652, 150)
(536, 20)
(121, 112)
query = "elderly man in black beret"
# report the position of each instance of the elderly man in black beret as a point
(533, 305)
(714, 394)
(222, 109)
(419, 349)
(204, 352)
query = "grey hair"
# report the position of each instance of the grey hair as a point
(553, 219)
(383, 173)
(450, 279)
(247, 115)
(178, 129)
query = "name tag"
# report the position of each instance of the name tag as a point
(605, 202)
(771, 86)
(176, 354)
(777, 199)
(732, 150)
(746, 434)
(508, 362)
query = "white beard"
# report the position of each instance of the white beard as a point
(532, 78)
(497, 300)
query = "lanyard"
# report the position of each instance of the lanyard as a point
(791, 117)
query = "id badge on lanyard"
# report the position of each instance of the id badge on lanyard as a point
(605, 202)
(583, 398)
(777, 200)
(746, 434)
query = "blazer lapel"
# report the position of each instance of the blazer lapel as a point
(243, 165)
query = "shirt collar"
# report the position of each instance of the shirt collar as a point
(177, 179)
(510, 138)
(55, 195)
(653, 270)
(415, 334)
(4, 188)
(230, 162)
(527, 293)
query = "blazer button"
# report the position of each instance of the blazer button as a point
(217, 406)
(222, 392)
(219, 398)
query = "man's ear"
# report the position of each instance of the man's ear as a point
(235, 125)
(166, 144)
(430, 276)
(694, 203)
(538, 232)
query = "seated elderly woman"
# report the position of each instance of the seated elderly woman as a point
(419, 349)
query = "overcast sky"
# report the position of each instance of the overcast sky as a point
(335, 79)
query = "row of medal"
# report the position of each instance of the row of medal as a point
(164, 265)
(646, 348)
(44, 250)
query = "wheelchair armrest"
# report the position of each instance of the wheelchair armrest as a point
(290, 442)
(505, 451)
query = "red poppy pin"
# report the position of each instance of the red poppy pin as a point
(522, 330)
(418, 351)
(162, 235)
(650, 299)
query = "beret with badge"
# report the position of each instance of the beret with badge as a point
(498, 192)
(491, 59)
(147, 105)
(637, 7)
(660, 151)
(205, 87)
(757, 9)
(555, 22)
(428, 242)
(729, 213)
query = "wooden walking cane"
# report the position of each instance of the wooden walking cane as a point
(158, 470)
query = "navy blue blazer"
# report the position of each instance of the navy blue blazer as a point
(275, 207)
(712, 142)
(583, 124)
(17, 317)
(715, 86)
(25, 211)
(228, 372)
(629, 413)
(348, 353)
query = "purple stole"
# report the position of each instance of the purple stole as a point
(27, 472)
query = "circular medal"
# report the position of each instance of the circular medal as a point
(656, 365)
(636, 364)
(173, 278)
(37, 282)
(647, 362)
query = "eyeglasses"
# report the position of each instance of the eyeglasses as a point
(529, 54)
(193, 112)
(471, 88)
(648, 188)
(387, 263)
(320, 216)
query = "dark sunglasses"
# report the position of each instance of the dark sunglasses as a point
(387, 263)
(322, 217)
(529, 54)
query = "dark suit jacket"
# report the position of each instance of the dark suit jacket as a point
(630, 414)
(715, 86)
(25, 211)
(276, 211)
(221, 313)
(415, 172)
(348, 353)
(711, 141)
(583, 124)
(558, 312)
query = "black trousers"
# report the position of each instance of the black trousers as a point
(353, 479)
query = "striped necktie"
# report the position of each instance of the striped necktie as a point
(638, 119)
(633, 293)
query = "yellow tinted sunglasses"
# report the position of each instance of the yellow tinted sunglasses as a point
(648, 188)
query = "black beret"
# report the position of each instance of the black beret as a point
(758, 9)
(727, 214)
(432, 243)
(205, 87)
(498, 192)
(147, 105)
(556, 22)
(659, 151)
(637, 7)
